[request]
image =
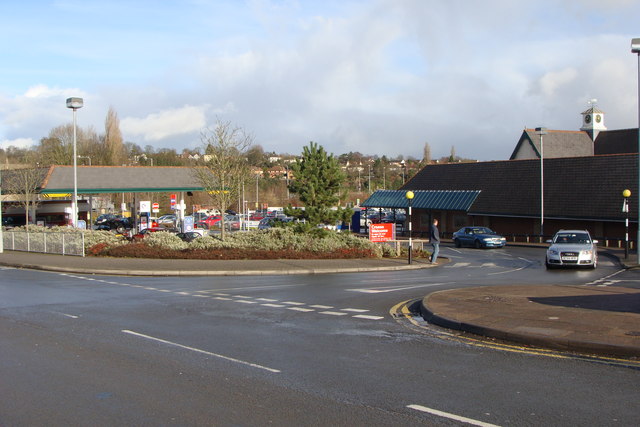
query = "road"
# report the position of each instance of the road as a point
(288, 350)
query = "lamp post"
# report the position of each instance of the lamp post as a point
(625, 208)
(409, 195)
(404, 167)
(635, 48)
(541, 131)
(74, 104)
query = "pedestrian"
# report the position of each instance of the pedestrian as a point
(434, 238)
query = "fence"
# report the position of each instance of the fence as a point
(45, 242)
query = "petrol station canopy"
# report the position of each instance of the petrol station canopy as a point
(120, 179)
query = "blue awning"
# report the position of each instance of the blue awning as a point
(444, 200)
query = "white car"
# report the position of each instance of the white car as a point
(572, 248)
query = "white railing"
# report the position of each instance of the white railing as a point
(45, 242)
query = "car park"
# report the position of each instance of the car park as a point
(572, 248)
(478, 237)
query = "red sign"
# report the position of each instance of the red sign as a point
(173, 201)
(382, 232)
(155, 207)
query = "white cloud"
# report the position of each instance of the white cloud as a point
(167, 123)
(18, 143)
(552, 81)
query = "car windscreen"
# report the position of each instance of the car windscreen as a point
(575, 238)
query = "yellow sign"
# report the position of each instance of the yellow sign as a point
(56, 195)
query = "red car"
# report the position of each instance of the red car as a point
(209, 222)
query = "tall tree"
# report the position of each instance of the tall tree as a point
(426, 153)
(223, 168)
(114, 148)
(318, 181)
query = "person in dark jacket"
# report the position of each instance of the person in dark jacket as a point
(434, 238)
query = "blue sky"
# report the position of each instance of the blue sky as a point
(379, 77)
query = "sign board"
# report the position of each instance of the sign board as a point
(82, 224)
(145, 206)
(155, 207)
(173, 201)
(382, 232)
(188, 223)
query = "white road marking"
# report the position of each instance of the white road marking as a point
(222, 298)
(267, 299)
(68, 315)
(231, 359)
(244, 301)
(293, 303)
(273, 305)
(450, 416)
(333, 313)
(395, 288)
(368, 317)
(323, 307)
(355, 310)
(304, 310)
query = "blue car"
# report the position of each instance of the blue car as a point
(478, 237)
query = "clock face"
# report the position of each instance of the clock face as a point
(587, 118)
(598, 118)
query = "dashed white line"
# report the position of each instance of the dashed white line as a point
(450, 416)
(244, 301)
(267, 299)
(322, 307)
(293, 303)
(231, 359)
(333, 313)
(354, 310)
(273, 305)
(302, 309)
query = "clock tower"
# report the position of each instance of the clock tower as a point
(593, 120)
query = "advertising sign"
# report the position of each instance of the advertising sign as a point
(145, 206)
(188, 223)
(173, 201)
(382, 232)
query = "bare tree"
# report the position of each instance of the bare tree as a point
(223, 168)
(24, 184)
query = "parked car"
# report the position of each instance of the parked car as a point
(189, 236)
(114, 222)
(146, 231)
(271, 221)
(232, 222)
(167, 220)
(478, 237)
(572, 248)
(209, 222)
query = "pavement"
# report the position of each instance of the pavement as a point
(584, 319)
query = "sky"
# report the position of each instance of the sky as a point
(379, 77)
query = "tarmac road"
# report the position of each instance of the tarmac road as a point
(302, 349)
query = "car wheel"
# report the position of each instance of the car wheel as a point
(546, 264)
(457, 243)
(477, 244)
(120, 229)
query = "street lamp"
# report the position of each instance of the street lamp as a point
(404, 167)
(625, 208)
(409, 195)
(541, 131)
(635, 48)
(74, 104)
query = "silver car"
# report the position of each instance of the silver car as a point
(572, 248)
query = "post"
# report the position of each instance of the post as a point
(541, 131)
(409, 195)
(635, 48)
(74, 104)
(625, 208)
